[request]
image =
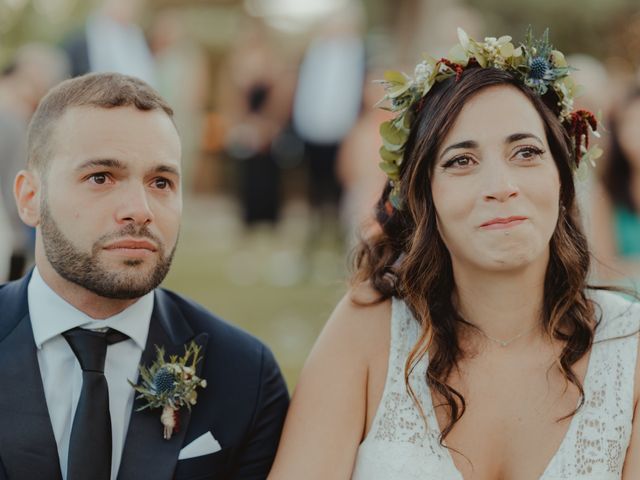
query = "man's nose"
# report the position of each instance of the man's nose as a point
(134, 207)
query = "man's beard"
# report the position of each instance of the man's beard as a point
(86, 270)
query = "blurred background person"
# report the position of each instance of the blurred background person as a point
(616, 201)
(183, 78)
(327, 103)
(255, 119)
(34, 69)
(112, 41)
(596, 96)
(360, 178)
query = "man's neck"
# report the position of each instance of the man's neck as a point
(89, 303)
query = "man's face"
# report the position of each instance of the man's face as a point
(111, 202)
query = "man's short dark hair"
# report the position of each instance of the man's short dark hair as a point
(102, 90)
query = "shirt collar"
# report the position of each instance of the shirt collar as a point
(51, 315)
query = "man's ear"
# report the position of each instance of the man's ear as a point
(27, 189)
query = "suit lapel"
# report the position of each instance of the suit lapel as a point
(146, 454)
(27, 443)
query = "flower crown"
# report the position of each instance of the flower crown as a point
(535, 63)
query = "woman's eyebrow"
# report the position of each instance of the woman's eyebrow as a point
(465, 144)
(521, 136)
(514, 137)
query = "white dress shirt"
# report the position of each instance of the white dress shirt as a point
(60, 370)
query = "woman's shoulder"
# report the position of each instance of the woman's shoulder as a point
(363, 317)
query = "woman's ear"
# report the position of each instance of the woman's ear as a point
(26, 190)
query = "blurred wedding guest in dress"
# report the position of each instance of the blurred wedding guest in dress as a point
(595, 95)
(182, 73)
(112, 41)
(251, 99)
(34, 69)
(616, 201)
(361, 181)
(327, 102)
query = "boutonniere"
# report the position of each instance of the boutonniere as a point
(170, 385)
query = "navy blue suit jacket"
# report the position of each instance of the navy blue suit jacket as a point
(243, 405)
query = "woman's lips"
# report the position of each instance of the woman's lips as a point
(503, 222)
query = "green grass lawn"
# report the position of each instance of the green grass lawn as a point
(267, 281)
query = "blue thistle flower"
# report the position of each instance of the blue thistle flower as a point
(539, 68)
(163, 381)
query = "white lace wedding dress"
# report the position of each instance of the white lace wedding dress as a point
(400, 447)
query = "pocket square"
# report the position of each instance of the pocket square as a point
(203, 445)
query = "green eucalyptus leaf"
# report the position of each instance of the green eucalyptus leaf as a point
(392, 147)
(390, 134)
(392, 171)
(397, 91)
(458, 54)
(482, 61)
(406, 122)
(507, 50)
(463, 38)
(395, 77)
(388, 156)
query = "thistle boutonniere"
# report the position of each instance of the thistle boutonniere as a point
(170, 385)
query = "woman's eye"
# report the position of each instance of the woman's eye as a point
(458, 162)
(529, 153)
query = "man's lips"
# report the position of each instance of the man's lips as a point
(503, 222)
(126, 245)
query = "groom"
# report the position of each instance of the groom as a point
(102, 188)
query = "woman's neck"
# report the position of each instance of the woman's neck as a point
(502, 304)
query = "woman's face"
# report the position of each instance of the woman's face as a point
(628, 133)
(495, 184)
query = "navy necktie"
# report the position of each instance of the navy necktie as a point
(90, 443)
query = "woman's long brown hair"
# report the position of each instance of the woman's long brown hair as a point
(409, 260)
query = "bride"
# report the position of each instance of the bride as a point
(470, 345)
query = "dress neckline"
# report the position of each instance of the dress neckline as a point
(573, 423)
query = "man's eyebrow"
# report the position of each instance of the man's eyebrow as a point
(167, 169)
(521, 136)
(117, 164)
(465, 144)
(102, 162)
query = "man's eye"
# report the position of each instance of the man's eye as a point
(162, 183)
(99, 178)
